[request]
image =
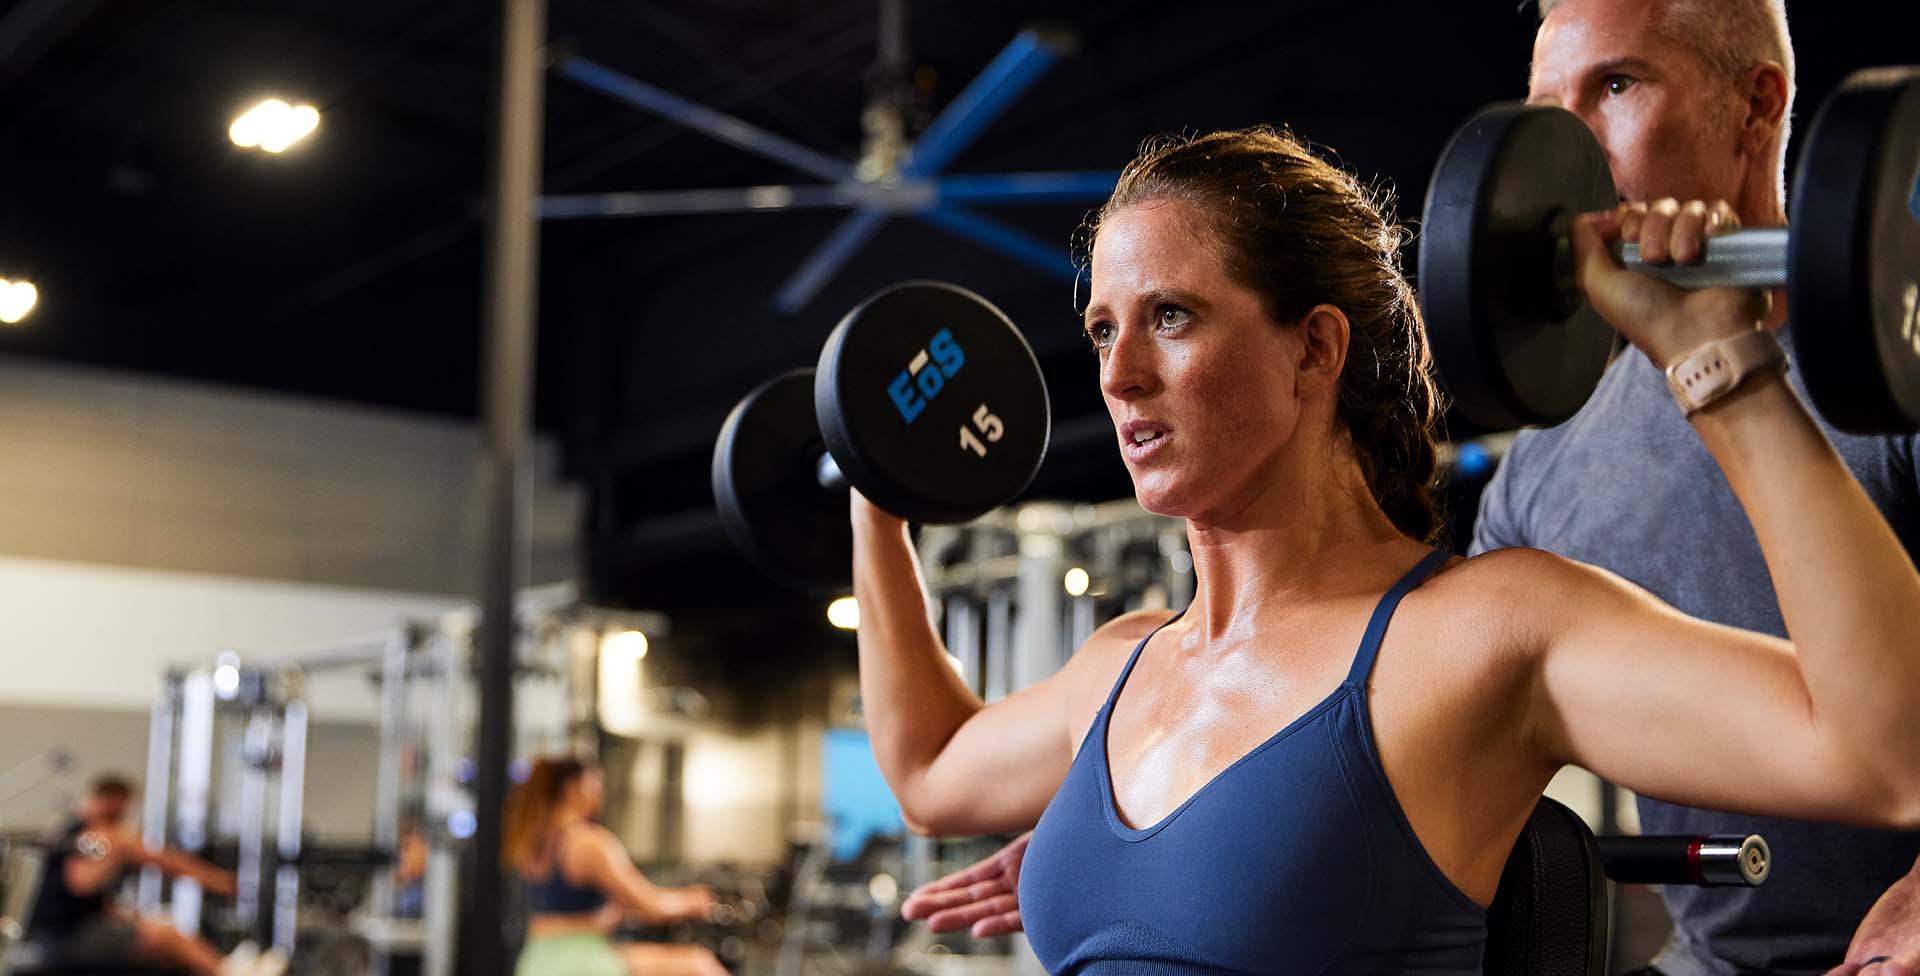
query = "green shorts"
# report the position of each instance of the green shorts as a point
(576, 954)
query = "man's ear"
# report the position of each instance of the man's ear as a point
(1765, 95)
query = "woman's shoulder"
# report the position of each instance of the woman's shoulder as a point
(1515, 596)
(581, 843)
(579, 833)
(1131, 627)
(1098, 662)
(1501, 576)
(1118, 637)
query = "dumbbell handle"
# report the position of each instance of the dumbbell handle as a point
(1716, 859)
(1754, 258)
(829, 474)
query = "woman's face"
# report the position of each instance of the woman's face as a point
(589, 791)
(1200, 382)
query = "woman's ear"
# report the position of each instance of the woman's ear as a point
(1324, 332)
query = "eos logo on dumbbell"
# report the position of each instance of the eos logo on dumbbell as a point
(788, 452)
(928, 374)
(946, 360)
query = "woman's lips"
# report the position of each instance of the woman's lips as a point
(1141, 439)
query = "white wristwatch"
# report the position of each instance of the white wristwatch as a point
(1717, 368)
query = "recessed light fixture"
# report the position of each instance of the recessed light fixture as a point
(17, 299)
(273, 125)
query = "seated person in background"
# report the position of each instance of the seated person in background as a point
(410, 868)
(74, 915)
(581, 884)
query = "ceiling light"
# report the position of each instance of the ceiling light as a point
(17, 299)
(273, 125)
(844, 613)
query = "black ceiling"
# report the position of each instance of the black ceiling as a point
(351, 268)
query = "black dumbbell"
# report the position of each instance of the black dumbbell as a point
(925, 398)
(1516, 345)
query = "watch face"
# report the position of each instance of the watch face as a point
(1716, 369)
(93, 844)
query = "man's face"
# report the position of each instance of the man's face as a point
(1669, 125)
(111, 808)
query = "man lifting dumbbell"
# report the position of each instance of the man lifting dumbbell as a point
(1692, 99)
(1688, 99)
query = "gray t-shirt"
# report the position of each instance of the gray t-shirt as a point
(1610, 487)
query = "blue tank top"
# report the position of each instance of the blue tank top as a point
(1295, 859)
(555, 895)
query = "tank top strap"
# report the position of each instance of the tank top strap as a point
(1383, 613)
(1121, 681)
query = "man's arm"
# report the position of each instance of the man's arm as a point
(100, 855)
(984, 897)
(1500, 522)
(1888, 940)
(182, 864)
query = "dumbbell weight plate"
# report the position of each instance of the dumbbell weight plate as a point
(1512, 346)
(932, 403)
(1853, 288)
(766, 487)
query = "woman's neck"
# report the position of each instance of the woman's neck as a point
(1309, 534)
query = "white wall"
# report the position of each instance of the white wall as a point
(147, 523)
(741, 786)
(733, 790)
(131, 470)
(101, 636)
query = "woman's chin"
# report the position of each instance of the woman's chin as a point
(1158, 499)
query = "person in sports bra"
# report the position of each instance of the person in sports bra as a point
(1322, 764)
(581, 884)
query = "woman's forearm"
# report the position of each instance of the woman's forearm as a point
(1847, 589)
(912, 699)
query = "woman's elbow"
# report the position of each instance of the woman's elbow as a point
(1900, 788)
(915, 825)
(1907, 819)
(921, 820)
(1905, 808)
(1893, 803)
(932, 819)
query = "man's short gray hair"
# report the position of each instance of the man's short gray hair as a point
(1731, 37)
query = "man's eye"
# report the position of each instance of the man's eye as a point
(1172, 316)
(1618, 84)
(1100, 334)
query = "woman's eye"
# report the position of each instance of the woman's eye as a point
(1618, 84)
(1173, 316)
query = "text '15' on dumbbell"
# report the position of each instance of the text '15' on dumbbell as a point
(926, 399)
(1515, 343)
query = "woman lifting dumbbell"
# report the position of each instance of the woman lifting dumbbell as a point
(581, 884)
(1279, 774)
